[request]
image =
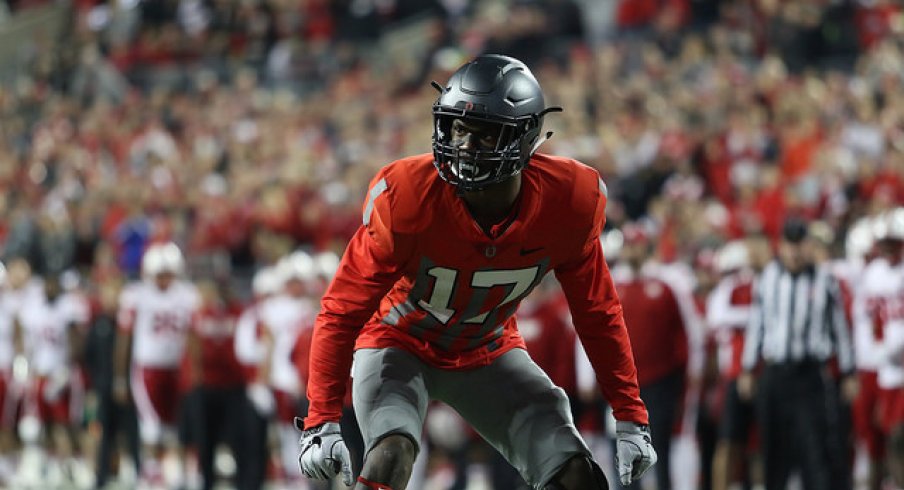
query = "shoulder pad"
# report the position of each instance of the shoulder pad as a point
(399, 194)
(589, 197)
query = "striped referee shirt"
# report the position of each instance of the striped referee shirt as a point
(797, 318)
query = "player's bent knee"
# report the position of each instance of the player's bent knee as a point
(395, 450)
(580, 472)
(390, 461)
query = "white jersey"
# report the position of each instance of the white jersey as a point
(285, 318)
(11, 302)
(727, 315)
(879, 322)
(159, 321)
(8, 312)
(45, 327)
(721, 312)
(877, 286)
(249, 350)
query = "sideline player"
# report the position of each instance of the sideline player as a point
(155, 316)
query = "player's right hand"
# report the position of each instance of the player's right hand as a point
(261, 398)
(634, 453)
(55, 385)
(323, 452)
(120, 390)
(746, 386)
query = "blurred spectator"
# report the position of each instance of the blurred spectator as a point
(659, 339)
(217, 417)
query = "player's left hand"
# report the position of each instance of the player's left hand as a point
(55, 385)
(634, 453)
(323, 452)
(850, 388)
(261, 398)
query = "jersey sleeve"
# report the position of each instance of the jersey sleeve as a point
(246, 343)
(722, 311)
(866, 321)
(598, 318)
(371, 264)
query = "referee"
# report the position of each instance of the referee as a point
(797, 326)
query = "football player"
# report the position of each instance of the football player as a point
(878, 320)
(18, 287)
(728, 312)
(424, 297)
(7, 358)
(155, 317)
(53, 326)
(283, 318)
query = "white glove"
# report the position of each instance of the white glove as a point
(21, 374)
(323, 453)
(634, 453)
(261, 398)
(55, 384)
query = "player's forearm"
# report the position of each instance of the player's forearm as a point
(332, 349)
(363, 279)
(750, 356)
(193, 345)
(726, 316)
(266, 363)
(121, 355)
(76, 339)
(18, 335)
(600, 324)
(609, 350)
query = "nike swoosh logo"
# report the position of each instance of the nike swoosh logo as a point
(528, 251)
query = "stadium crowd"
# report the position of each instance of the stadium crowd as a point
(224, 149)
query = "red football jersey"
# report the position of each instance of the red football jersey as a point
(421, 275)
(219, 366)
(657, 330)
(741, 299)
(550, 339)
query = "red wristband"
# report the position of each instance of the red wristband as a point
(375, 486)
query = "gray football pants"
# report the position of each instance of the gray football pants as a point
(512, 403)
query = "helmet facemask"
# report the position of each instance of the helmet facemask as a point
(477, 166)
